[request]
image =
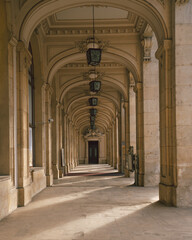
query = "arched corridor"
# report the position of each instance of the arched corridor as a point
(97, 86)
(96, 202)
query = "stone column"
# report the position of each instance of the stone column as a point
(116, 165)
(108, 146)
(140, 131)
(132, 109)
(61, 144)
(55, 141)
(48, 137)
(114, 143)
(127, 134)
(183, 90)
(86, 152)
(12, 94)
(122, 164)
(78, 146)
(65, 144)
(24, 180)
(151, 111)
(168, 177)
(111, 145)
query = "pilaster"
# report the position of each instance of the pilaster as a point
(140, 131)
(48, 138)
(24, 181)
(168, 180)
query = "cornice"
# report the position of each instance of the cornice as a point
(84, 65)
(133, 24)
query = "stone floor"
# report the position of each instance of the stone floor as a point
(96, 203)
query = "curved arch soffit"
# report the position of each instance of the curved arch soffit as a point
(79, 98)
(35, 12)
(77, 81)
(103, 108)
(86, 124)
(85, 127)
(99, 115)
(73, 54)
(102, 122)
(85, 115)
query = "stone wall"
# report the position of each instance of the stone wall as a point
(183, 63)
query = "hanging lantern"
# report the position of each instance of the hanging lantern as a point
(93, 101)
(95, 86)
(93, 111)
(94, 56)
(93, 127)
(92, 118)
(93, 52)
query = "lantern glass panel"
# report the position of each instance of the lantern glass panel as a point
(93, 56)
(92, 118)
(93, 101)
(93, 127)
(95, 86)
(93, 112)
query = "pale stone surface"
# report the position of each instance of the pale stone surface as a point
(8, 197)
(151, 119)
(38, 180)
(183, 103)
(101, 205)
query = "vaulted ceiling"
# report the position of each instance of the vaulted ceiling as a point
(64, 37)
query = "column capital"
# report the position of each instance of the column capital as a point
(138, 86)
(59, 105)
(165, 45)
(47, 87)
(26, 54)
(13, 41)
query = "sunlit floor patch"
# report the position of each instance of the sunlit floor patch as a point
(97, 207)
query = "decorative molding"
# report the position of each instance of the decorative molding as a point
(82, 45)
(133, 24)
(131, 81)
(47, 87)
(100, 75)
(84, 65)
(27, 55)
(141, 24)
(180, 2)
(93, 133)
(147, 43)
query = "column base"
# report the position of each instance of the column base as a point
(24, 195)
(49, 180)
(55, 172)
(61, 172)
(140, 180)
(167, 194)
(127, 173)
(66, 170)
